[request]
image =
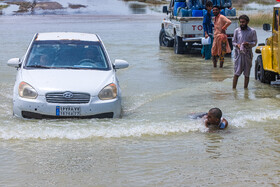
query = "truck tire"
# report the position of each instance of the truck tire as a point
(163, 40)
(179, 45)
(271, 76)
(259, 71)
(261, 74)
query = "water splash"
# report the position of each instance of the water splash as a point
(58, 129)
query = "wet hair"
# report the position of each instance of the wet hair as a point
(218, 7)
(245, 17)
(216, 112)
(209, 4)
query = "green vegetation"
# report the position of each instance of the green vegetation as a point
(240, 3)
(3, 6)
(264, 2)
(260, 18)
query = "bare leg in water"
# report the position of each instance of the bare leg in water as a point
(222, 57)
(246, 82)
(215, 59)
(235, 79)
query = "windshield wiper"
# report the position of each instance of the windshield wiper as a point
(79, 67)
(38, 66)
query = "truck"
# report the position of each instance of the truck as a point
(184, 33)
(267, 64)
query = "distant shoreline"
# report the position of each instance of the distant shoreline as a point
(25, 7)
(21, 7)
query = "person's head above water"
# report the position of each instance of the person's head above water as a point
(214, 116)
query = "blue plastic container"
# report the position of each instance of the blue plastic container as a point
(216, 2)
(190, 12)
(230, 12)
(226, 3)
(177, 5)
(197, 13)
(183, 12)
(223, 12)
(194, 4)
(203, 3)
(233, 12)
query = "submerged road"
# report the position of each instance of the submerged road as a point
(156, 143)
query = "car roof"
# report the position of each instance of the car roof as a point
(67, 36)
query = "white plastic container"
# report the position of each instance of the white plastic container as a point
(206, 41)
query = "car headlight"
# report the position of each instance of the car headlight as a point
(108, 92)
(27, 91)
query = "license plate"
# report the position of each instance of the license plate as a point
(68, 111)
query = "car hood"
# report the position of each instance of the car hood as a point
(89, 81)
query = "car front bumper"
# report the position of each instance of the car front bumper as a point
(39, 108)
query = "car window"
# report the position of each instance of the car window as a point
(67, 54)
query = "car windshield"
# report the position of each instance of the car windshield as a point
(67, 54)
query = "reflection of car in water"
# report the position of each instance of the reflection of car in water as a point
(267, 66)
(66, 75)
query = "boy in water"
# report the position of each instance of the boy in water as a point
(214, 120)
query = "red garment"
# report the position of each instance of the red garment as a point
(220, 23)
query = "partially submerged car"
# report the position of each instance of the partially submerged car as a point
(66, 74)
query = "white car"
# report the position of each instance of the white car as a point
(66, 74)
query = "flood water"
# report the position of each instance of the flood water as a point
(155, 143)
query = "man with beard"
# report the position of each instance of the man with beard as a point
(244, 39)
(220, 43)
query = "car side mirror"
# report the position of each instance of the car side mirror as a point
(266, 27)
(164, 9)
(120, 64)
(14, 62)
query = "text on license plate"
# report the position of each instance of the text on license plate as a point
(68, 111)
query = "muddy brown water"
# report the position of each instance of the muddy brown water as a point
(155, 143)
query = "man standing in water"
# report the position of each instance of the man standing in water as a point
(220, 43)
(244, 39)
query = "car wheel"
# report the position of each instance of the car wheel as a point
(270, 76)
(261, 74)
(259, 71)
(179, 45)
(163, 40)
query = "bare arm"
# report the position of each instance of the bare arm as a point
(227, 23)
